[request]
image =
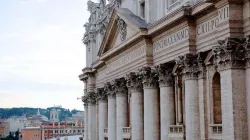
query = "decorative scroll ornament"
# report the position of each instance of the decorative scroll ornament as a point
(120, 87)
(164, 72)
(134, 82)
(149, 77)
(122, 28)
(229, 53)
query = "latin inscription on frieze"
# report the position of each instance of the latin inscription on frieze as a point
(171, 40)
(127, 58)
(212, 24)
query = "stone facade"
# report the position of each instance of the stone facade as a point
(167, 70)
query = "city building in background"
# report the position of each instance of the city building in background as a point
(4, 128)
(167, 70)
(61, 129)
(31, 133)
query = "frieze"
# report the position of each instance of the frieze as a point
(171, 40)
(137, 53)
(212, 24)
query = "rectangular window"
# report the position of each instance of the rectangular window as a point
(142, 9)
(66, 131)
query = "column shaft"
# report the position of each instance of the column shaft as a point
(151, 114)
(86, 122)
(192, 109)
(111, 118)
(92, 122)
(103, 118)
(166, 110)
(248, 97)
(121, 114)
(137, 115)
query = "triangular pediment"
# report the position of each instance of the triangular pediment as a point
(122, 26)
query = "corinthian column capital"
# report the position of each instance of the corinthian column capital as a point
(164, 72)
(109, 90)
(85, 100)
(247, 47)
(101, 95)
(92, 98)
(120, 87)
(229, 53)
(149, 77)
(134, 82)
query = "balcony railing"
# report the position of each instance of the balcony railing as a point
(216, 128)
(126, 134)
(215, 131)
(105, 132)
(176, 131)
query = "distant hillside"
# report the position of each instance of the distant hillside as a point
(8, 112)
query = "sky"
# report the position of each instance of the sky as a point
(41, 53)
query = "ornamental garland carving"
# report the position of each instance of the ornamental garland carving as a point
(164, 72)
(229, 53)
(122, 28)
(134, 82)
(149, 77)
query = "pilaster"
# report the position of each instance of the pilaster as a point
(229, 57)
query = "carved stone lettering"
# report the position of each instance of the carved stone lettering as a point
(170, 40)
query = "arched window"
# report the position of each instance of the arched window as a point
(217, 113)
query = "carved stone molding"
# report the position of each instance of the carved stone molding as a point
(92, 98)
(120, 87)
(109, 90)
(122, 28)
(247, 48)
(101, 95)
(164, 72)
(229, 53)
(134, 82)
(149, 77)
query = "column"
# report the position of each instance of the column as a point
(191, 98)
(121, 106)
(151, 104)
(136, 102)
(103, 112)
(230, 62)
(92, 116)
(111, 111)
(247, 47)
(85, 120)
(167, 108)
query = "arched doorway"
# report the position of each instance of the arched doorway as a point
(217, 112)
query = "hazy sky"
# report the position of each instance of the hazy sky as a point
(41, 53)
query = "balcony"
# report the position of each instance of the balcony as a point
(176, 131)
(215, 131)
(126, 134)
(105, 132)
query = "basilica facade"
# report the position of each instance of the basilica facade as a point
(167, 70)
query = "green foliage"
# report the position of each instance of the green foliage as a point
(7, 113)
